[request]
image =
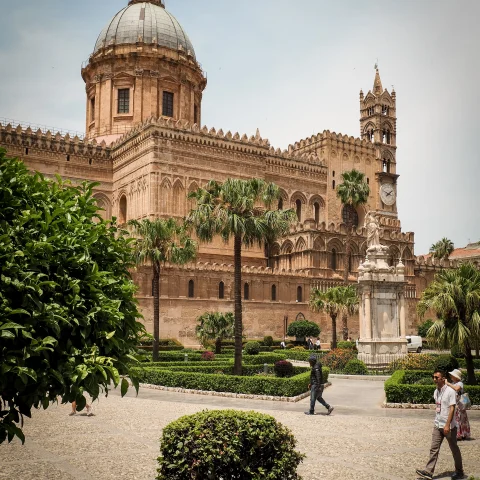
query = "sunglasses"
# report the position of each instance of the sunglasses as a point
(436, 377)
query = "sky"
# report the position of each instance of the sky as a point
(291, 69)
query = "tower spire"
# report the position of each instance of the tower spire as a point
(377, 84)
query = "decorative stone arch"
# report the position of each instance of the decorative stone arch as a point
(334, 253)
(275, 249)
(301, 245)
(393, 255)
(298, 201)
(317, 208)
(350, 216)
(104, 203)
(191, 203)
(283, 199)
(319, 244)
(369, 131)
(165, 195)
(287, 247)
(122, 209)
(179, 198)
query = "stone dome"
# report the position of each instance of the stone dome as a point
(145, 22)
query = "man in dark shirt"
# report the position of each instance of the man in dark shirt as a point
(316, 386)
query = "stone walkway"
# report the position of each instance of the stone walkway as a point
(359, 441)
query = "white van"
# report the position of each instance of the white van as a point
(414, 343)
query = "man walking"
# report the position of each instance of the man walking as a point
(444, 427)
(316, 386)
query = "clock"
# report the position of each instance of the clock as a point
(387, 193)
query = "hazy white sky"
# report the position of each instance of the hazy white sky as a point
(292, 68)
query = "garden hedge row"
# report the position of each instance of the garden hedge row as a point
(225, 368)
(255, 385)
(247, 359)
(304, 355)
(397, 390)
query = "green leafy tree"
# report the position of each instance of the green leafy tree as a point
(159, 241)
(455, 297)
(215, 326)
(239, 209)
(303, 328)
(423, 328)
(353, 192)
(335, 301)
(68, 314)
(351, 303)
(442, 249)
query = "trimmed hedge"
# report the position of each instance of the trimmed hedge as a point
(225, 368)
(304, 355)
(270, 357)
(228, 444)
(257, 385)
(397, 390)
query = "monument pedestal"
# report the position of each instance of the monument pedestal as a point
(382, 309)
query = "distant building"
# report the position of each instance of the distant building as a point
(146, 145)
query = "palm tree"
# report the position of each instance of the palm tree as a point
(335, 301)
(160, 241)
(353, 192)
(239, 209)
(350, 301)
(454, 295)
(215, 326)
(442, 249)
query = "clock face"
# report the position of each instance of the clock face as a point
(387, 193)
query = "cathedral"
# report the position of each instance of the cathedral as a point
(146, 146)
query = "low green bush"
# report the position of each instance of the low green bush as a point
(268, 341)
(445, 363)
(338, 358)
(255, 385)
(402, 387)
(252, 348)
(355, 367)
(303, 328)
(345, 344)
(303, 355)
(227, 444)
(283, 368)
(414, 361)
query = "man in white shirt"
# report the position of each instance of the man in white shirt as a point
(444, 427)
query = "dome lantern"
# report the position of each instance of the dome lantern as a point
(160, 3)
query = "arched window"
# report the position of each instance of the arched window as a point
(386, 136)
(221, 290)
(350, 216)
(368, 181)
(123, 210)
(298, 203)
(280, 204)
(246, 291)
(384, 165)
(274, 293)
(191, 289)
(333, 184)
(350, 263)
(333, 259)
(299, 294)
(316, 208)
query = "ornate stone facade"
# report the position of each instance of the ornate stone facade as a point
(147, 148)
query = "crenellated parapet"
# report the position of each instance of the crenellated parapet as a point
(276, 159)
(335, 140)
(25, 138)
(432, 263)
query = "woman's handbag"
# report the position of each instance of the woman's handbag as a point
(465, 401)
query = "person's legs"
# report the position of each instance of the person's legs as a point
(457, 456)
(437, 439)
(74, 408)
(319, 397)
(313, 396)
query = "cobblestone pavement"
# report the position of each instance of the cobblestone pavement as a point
(360, 440)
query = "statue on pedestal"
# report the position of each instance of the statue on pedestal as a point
(373, 230)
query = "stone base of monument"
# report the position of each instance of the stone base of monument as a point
(378, 354)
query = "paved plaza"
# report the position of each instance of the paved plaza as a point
(360, 440)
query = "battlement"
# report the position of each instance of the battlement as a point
(325, 136)
(440, 263)
(53, 142)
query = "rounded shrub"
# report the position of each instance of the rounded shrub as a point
(207, 356)
(355, 367)
(303, 328)
(424, 381)
(445, 363)
(290, 346)
(283, 368)
(346, 344)
(268, 341)
(299, 348)
(227, 444)
(252, 348)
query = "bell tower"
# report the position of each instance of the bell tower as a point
(378, 124)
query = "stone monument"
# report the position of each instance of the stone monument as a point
(382, 307)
